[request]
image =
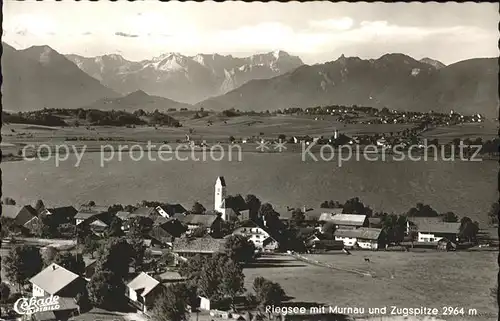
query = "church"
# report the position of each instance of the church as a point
(229, 206)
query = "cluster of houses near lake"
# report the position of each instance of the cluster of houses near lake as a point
(174, 231)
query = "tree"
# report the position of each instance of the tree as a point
(197, 208)
(140, 226)
(268, 292)
(450, 217)
(298, 216)
(270, 216)
(331, 204)
(106, 290)
(49, 254)
(493, 214)
(115, 228)
(139, 253)
(253, 204)
(468, 230)
(171, 304)
(232, 281)
(282, 137)
(116, 256)
(239, 248)
(4, 292)
(191, 269)
(71, 262)
(355, 206)
(200, 231)
(90, 246)
(421, 210)
(22, 263)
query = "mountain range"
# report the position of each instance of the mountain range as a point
(183, 78)
(40, 77)
(395, 81)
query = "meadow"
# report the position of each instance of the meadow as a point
(431, 279)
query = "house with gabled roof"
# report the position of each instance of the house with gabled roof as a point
(349, 221)
(433, 229)
(209, 221)
(64, 214)
(57, 280)
(186, 247)
(363, 237)
(255, 234)
(23, 216)
(169, 210)
(89, 214)
(143, 290)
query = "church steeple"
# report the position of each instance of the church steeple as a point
(220, 194)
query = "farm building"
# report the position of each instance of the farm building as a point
(56, 280)
(209, 221)
(433, 229)
(64, 214)
(169, 210)
(349, 221)
(257, 235)
(363, 237)
(89, 214)
(143, 290)
(186, 247)
(23, 216)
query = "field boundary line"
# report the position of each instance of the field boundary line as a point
(330, 266)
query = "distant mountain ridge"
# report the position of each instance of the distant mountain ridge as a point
(135, 101)
(39, 77)
(182, 78)
(395, 81)
(435, 63)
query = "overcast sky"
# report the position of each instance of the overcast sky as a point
(317, 32)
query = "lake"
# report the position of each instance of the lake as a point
(466, 188)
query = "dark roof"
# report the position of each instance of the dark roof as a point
(173, 209)
(20, 214)
(160, 234)
(143, 211)
(53, 278)
(68, 212)
(206, 220)
(222, 180)
(198, 245)
(86, 212)
(360, 233)
(441, 227)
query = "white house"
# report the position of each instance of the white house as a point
(257, 235)
(364, 237)
(142, 291)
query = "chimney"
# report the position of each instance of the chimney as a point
(53, 267)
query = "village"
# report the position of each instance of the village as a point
(161, 259)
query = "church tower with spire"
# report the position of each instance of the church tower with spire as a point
(220, 195)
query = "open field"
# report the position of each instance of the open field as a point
(485, 130)
(221, 129)
(435, 279)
